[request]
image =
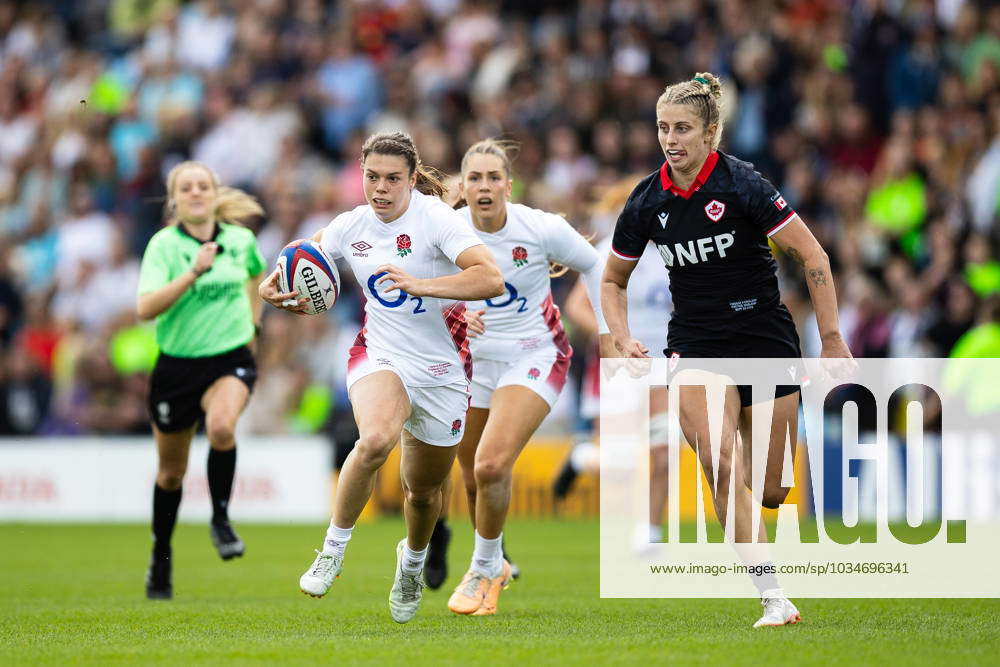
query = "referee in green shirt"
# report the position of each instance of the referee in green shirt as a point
(199, 280)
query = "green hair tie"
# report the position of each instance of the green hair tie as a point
(701, 80)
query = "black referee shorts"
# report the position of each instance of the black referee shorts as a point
(770, 334)
(178, 383)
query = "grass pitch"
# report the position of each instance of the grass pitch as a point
(74, 594)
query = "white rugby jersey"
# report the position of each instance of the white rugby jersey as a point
(524, 318)
(425, 337)
(649, 302)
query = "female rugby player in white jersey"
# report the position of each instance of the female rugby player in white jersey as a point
(648, 300)
(410, 365)
(520, 361)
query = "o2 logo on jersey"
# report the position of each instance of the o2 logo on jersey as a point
(511, 298)
(399, 300)
(714, 210)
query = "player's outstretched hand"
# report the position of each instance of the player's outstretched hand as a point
(630, 353)
(395, 278)
(837, 360)
(474, 322)
(269, 291)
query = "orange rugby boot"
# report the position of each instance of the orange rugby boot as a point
(496, 584)
(469, 594)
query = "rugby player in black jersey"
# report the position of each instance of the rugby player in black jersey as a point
(711, 216)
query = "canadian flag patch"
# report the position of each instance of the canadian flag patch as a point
(780, 203)
(714, 210)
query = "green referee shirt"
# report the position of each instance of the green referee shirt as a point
(213, 316)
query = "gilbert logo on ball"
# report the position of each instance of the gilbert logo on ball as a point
(520, 256)
(403, 245)
(305, 267)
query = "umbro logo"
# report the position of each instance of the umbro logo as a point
(362, 247)
(663, 219)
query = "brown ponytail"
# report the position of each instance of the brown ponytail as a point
(430, 181)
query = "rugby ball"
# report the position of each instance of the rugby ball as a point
(303, 266)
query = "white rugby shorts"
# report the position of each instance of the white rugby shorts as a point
(437, 414)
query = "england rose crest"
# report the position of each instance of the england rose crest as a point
(456, 427)
(534, 374)
(520, 256)
(403, 245)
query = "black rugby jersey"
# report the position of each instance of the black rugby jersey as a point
(712, 238)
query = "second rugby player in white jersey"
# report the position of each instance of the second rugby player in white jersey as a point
(648, 307)
(409, 369)
(521, 360)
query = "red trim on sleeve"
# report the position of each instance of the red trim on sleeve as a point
(621, 255)
(781, 224)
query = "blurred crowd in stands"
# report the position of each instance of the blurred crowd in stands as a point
(879, 121)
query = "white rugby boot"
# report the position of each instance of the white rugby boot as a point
(778, 610)
(407, 589)
(319, 577)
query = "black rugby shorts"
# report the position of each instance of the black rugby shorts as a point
(178, 383)
(770, 334)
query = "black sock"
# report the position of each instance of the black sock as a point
(221, 471)
(165, 504)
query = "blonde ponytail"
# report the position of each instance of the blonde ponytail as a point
(704, 94)
(231, 204)
(234, 205)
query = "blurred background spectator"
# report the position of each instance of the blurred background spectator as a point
(878, 120)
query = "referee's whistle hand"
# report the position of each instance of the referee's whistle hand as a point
(205, 257)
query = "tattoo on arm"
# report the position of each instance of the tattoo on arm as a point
(796, 255)
(818, 276)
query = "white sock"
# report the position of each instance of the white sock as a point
(585, 457)
(413, 560)
(336, 539)
(487, 557)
